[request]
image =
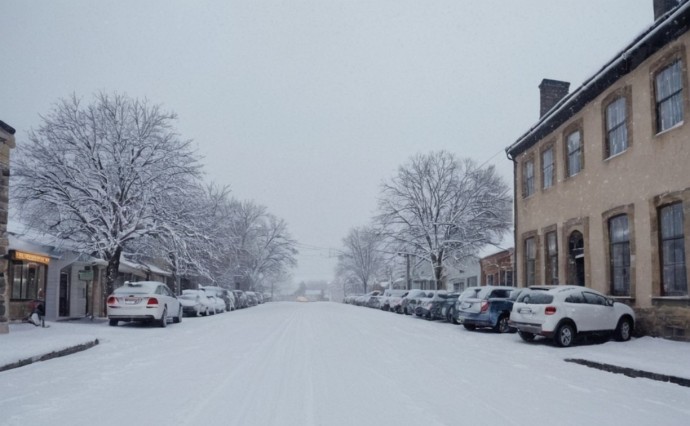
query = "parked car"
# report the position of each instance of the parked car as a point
(365, 299)
(485, 306)
(217, 304)
(191, 303)
(563, 313)
(226, 295)
(251, 298)
(374, 300)
(396, 303)
(391, 297)
(206, 307)
(425, 304)
(409, 302)
(240, 299)
(143, 301)
(444, 308)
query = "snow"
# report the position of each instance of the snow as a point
(329, 364)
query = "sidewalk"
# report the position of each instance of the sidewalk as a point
(646, 357)
(27, 343)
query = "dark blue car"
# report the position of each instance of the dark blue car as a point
(486, 307)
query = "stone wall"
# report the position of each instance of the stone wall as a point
(670, 321)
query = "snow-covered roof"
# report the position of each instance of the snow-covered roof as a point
(664, 30)
(21, 244)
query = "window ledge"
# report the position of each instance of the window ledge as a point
(611, 157)
(671, 298)
(672, 128)
(629, 298)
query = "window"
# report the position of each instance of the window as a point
(574, 150)
(472, 281)
(668, 85)
(674, 282)
(616, 127)
(594, 299)
(530, 261)
(547, 169)
(528, 178)
(28, 280)
(575, 298)
(619, 240)
(490, 279)
(551, 258)
(508, 278)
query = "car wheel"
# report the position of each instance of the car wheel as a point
(565, 334)
(469, 326)
(178, 318)
(502, 324)
(113, 322)
(164, 318)
(623, 330)
(527, 337)
(452, 316)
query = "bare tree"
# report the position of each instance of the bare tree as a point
(441, 208)
(257, 246)
(362, 257)
(99, 175)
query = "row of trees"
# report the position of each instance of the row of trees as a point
(114, 177)
(438, 209)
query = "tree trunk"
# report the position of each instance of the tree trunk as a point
(112, 270)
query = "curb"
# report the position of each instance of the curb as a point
(68, 351)
(631, 372)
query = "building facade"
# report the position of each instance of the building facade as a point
(7, 142)
(602, 184)
(497, 268)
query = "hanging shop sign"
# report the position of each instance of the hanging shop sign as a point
(29, 257)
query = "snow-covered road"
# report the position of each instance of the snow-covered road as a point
(328, 364)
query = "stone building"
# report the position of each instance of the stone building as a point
(602, 183)
(7, 142)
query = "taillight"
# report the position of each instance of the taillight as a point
(112, 300)
(485, 306)
(152, 302)
(550, 310)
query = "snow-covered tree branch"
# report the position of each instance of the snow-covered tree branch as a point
(441, 208)
(102, 175)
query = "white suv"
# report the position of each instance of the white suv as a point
(564, 312)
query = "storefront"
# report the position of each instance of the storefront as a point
(27, 274)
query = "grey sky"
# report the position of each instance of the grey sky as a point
(306, 106)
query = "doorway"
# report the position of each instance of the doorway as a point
(576, 259)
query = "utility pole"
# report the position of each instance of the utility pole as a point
(407, 270)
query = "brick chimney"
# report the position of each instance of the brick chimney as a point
(550, 92)
(663, 6)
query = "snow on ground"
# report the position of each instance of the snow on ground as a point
(307, 364)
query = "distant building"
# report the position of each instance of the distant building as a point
(497, 268)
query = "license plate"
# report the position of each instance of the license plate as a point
(525, 310)
(131, 301)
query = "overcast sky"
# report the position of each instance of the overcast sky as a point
(306, 106)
